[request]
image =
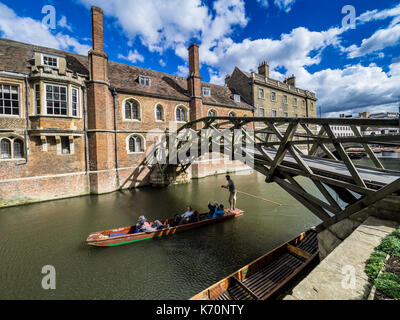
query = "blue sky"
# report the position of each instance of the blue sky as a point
(351, 70)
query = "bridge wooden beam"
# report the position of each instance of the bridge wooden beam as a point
(305, 200)
(361, 204)
(367, 148)
(345, 158)
(283, 148)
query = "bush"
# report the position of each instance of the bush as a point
(390, 245)
(389, 284)
(396, 233)
(375, 263)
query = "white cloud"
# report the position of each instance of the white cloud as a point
(285, 5)
(183, 71)
(162, 63)
(64, 24)
(32, 31)
(381, 39)
(133, 56)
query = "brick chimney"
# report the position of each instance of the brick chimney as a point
(98, 59)
(100, 113)
(291, 81)
(263, 69)
(194, 83)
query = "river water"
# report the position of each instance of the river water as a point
(174, 267)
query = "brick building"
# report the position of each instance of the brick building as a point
(72, 125)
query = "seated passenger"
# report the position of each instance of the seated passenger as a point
(144, 225)
(212, 208)
(175, 221)
(195, 217)
(158, 225)
(219, 212)
(185, 216)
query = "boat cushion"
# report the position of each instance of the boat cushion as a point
(117, 234)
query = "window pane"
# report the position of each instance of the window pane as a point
(131, 145)
(65, 147)
(135, 111)
(127, 111)
(9, 100)
(178, 115)
(159, 113)
(5, 149)
(18, 149)
(138, 141)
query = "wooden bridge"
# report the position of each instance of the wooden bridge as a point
(283, 148)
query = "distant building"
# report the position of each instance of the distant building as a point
(272, 98)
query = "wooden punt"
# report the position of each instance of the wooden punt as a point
(266, 276)
(103, 239)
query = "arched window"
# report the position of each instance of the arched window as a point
(232, 114)
(212, 113)
(159, 113)
(5, 149)
(18, 149)
(132, 110)
(136, 144)
(180, 114)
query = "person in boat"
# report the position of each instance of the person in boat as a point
(232, 192)
(219, 212)
(185, 217)
(212, 208)
(146, 226)
(195, 217)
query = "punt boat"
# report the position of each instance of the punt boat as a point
(266, 277)
(120, 236)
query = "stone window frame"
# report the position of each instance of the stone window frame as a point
(45, 55)
(59, 145)
(159, 105)
(232, 114)
(47, 84)
(273, 96)
(139, 104)
(206, 91)
(143, 79)
(261, 93)
(186, 112)
(12, 139)
(272, 113)
(259, 112)
(4, 115)
(133, 136)
(295, 102)
(303, 104)
(212, 110)
(285, 99)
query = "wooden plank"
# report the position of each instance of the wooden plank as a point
(299, 252)
(241, 284)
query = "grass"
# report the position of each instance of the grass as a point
(389, 284)
(375, 263)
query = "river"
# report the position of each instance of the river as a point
(174, 267)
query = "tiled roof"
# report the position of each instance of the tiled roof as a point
(18, 57)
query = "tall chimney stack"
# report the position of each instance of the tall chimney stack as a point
(97, 29)
(194, 83)
(263, 69)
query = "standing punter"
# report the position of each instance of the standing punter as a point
(232, 192)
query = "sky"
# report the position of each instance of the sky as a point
(349, 56)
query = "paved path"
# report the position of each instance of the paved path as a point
(326, 281)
